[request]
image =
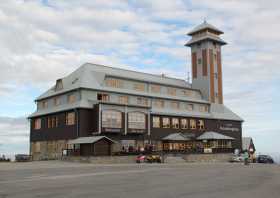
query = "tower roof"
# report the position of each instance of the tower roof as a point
(204, 26)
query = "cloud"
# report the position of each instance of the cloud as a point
(14, 135)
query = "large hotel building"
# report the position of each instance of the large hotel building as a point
(101, 110)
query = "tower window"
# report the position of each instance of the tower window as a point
(199, 61)
(216, 75)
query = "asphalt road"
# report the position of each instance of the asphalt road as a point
(62, 179)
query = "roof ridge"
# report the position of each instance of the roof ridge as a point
(146, 73)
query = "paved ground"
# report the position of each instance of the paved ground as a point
(62, 179)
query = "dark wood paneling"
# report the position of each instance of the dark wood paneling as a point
(58, 133)
(220, 83)
(194, 65)
(212, 85)
(204, 62)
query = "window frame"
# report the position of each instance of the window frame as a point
(115, 118)
(175, 125)
(192, 124)
(167, 125)
(37, 123)
(158, 125)
(137, 117)
(186, 125)
(201, 124)
(123, 100)
(70, 120)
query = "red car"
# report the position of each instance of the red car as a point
(140, 159)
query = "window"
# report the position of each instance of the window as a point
(203, 108)
(159, 103)
(216, 75)
(156, 122)
(111, 119)
(171, 91)
(71, 98)
(44, 104)
(70, 118)
(37, 123)
(114, 83)
(139, 87)
(52, 122)
(136, 120)
(58, 85)
(103, 97)
(155, 88)
(199, 61)
(175, 105)
(142, 101)
(165, 122)
(175, 123)
(184, 123)
(56, 101)
(190, 107)
(192, 124)
(186, 92)
(123, 99)
(201, 124)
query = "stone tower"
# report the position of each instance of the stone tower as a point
(206, 61)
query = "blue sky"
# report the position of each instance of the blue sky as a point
(41, 41)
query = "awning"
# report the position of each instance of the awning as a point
(89, 140)
(210, 135)
(176, 137)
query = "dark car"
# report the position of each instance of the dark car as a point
(266, 159)
(22, 158)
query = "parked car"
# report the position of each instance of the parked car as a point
(4, 159)
(153, 158)
(140, 159)
(22, 158)
(266, 159)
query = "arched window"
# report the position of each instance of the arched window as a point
(111, 119)
(136, 120)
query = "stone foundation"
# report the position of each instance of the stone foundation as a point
(102, 159)
(47, 150)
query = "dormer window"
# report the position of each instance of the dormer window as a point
(58, 85)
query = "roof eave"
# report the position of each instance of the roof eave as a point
(189, 44)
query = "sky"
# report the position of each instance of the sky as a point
(41, 41)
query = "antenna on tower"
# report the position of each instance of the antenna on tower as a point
(204, 20)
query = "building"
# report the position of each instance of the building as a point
(133, 111)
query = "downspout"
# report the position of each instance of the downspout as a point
(77, 125)
(99, 118)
